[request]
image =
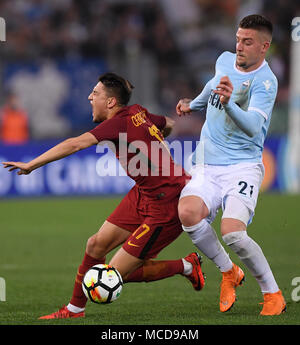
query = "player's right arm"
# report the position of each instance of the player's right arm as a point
(183, 106)
(263, 95)
(61, 150)
(186, 105)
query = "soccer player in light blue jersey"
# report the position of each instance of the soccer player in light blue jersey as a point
(239, 100)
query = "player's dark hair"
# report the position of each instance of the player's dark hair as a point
(257, 22)
(117, 87)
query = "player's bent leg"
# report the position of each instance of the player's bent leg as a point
(153, 270)
(191, 210)
(150, 238)
(145, 243)
(201, 233)
(125, 263)
(107, 238)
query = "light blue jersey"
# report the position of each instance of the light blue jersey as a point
(253, 96)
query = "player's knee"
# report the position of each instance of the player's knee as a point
(188, 214)
(90, 244)
(94, 246)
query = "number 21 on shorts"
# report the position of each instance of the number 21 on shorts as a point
(245, 189)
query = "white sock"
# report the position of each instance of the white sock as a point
(187, 267)
(252, 256)
(74, 309)
(205, 239)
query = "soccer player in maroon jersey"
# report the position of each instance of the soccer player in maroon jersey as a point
(146, 220)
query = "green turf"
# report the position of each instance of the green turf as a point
(42, 242)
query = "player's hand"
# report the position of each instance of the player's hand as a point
(224, 89)
(24, 168)
(183, 107)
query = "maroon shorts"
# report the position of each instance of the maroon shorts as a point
(153, 224)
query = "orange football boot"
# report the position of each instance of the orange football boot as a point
(63, 313)
(197, 277)
(273, 304)
(231, 279)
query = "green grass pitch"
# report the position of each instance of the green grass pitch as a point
(43, 240)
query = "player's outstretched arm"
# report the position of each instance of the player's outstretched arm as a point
(61, 150)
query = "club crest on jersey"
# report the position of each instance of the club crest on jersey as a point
(246, 84)
(267, 84)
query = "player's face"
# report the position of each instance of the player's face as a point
(99, 101)
(251, 48)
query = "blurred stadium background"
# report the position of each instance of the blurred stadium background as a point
(51, 58)
(54, 51)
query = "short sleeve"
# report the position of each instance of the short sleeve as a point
(263, 96)
(158, 120)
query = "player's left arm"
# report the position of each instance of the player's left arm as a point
(260, 106)
(61, 150)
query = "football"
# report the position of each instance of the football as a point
(102, 284)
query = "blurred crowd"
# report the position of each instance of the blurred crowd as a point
(56, 29)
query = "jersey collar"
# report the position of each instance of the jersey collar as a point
(255, 70)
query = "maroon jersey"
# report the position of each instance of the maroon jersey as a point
(142, 152)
